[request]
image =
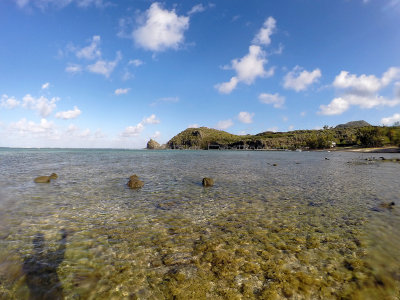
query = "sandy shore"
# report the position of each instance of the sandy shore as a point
(391, 149)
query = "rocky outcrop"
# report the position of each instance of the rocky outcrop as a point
(45, 179)
(152, 145)
(134, 182)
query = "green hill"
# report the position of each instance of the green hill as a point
(354, 124)
(349, 134)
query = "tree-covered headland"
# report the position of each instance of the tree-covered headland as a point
(352, 134)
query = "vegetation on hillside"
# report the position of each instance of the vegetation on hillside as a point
(358, 133)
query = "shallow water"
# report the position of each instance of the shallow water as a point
(307, 228)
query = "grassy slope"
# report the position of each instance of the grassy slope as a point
(200, 138)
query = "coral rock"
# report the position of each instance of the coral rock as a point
(207, 182)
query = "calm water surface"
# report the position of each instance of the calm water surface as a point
(307, 228)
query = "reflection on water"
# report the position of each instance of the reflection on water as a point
(40, 269)
(304, 228)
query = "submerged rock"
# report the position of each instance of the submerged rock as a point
(45, 179)
(134, 182)
(207, 182)
(166, 205)
(383, 206)
(387, 205)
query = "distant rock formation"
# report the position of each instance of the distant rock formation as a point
(354, 124)
(152, 144)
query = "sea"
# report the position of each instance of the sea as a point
(275, 225)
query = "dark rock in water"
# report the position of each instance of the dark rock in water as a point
(134, 182)
(326, 158)
(207, 182)
(274, 165)
(46, 179)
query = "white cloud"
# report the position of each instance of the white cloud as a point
(42, 105)
(275, 99)
(98, 134)
(121, 91)
(127, 75)
(72, 128)
(45, 86)
(336, 107)
(365, 84)
(156, 135)
(225, 124)
(69, 114)
(250, 66)
(247, 68)
(58, 4)
(24, 127)
(137, 130)
(162, 29)
(133, 130)
(246, 117)
(397, 90)
(104, 67)
(263, 37)
(135, 62)
(391, 120)
(83, 134)
(194, 126)
(92, 51)
(299, 79)
(165, 100)
(73, 68)
(291, 127)
(197, 9)
(22, 3)
(227, 87)
(151, 120)
(9, 102)
(361, 91)
(273, 129)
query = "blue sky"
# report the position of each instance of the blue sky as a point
(106, 73)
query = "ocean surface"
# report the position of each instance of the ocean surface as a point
(276, 225)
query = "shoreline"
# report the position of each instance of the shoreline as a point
(389, 149)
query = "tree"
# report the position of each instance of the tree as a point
(369, 137)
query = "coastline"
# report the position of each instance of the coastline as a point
(389, 149)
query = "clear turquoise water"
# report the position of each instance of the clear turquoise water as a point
(306, 228)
